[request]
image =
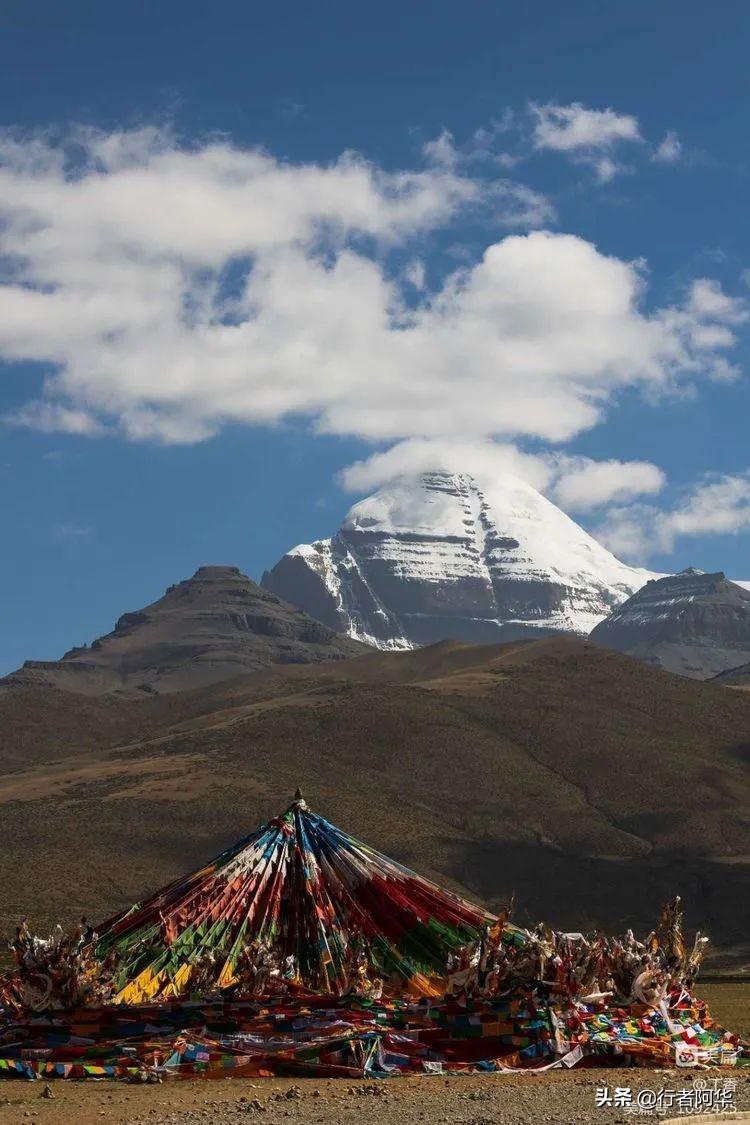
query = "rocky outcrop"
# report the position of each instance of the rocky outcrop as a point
(735, 677)
(439, 557)
(213, 626)
(692, 623)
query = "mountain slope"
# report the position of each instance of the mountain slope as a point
(212, 626)
(438, 557)
(692, 623)
(735, 677)
(589, 783)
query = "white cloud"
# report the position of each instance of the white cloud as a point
(487, 461)
(415, 274)
(593, 137)
(628, 531)
(708, 300)
(633, 529)
(513, 204)
(441, 150)
(53, 417)
(715, 506)
(669, 151)
(174, 289)
(519, 206)
(586, 136)
(606, 168)
(577, 484)
(572, 128)
(481, 145)
(584, 485)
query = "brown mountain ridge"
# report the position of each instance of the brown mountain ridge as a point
(588, 783)
(211, 627)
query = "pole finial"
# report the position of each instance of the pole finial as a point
(299, 801)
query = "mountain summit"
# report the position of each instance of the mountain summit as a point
(692, 623)
(437, 556)
(213, 626)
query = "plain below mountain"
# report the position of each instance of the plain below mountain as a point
(592, 785)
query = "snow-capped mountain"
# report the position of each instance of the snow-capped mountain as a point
(439, 557)
(692, 623)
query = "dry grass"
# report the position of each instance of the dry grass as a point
(729, 1004)
(591, 785)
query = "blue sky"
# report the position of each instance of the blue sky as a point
(150, 427)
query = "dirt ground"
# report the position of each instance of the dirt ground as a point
(555, 1098)
(552, 1099)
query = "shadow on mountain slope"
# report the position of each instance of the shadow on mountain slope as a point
(590, 784)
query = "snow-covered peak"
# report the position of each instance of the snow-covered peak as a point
(439, 556)
(454, 506)
(431, 506)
